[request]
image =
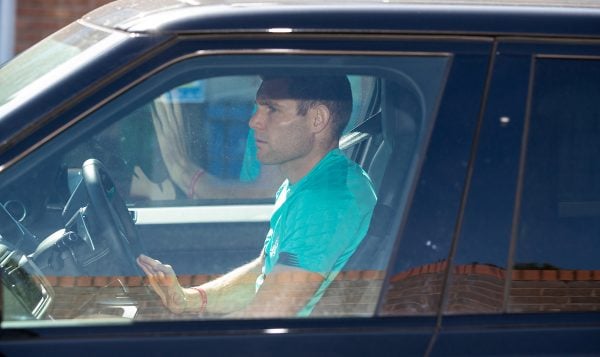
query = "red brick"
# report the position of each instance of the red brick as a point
(66, 281)
(53, 280)
(529, 275)
(352, 275)
(399, 277)
(583, 275)
(118, 281)
(549, 275)
(314, 278)
(566, 275)
(481, 269)
(185, 280)
(200, 279)
(101, 281)
(84, 281)
(373, 275)
(133, 281)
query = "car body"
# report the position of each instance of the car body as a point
(477, 122)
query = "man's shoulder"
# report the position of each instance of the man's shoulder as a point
(340, 181)
(338, 173)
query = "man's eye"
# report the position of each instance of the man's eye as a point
(271, 109)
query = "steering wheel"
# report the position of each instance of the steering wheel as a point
(110, 213)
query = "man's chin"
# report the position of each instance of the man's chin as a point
(265, 160)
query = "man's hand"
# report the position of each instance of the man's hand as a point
(170, 132)
(163, 280)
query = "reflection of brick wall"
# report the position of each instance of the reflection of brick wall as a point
(555, 290)
(37, 19)
(352, 293)
(479, 288)
(416, 291)
(476, 288)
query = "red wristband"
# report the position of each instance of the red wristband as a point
(203, 298)
(195, 178)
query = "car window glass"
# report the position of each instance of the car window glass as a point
(555, 262)
(41, 65)
(552, 263)
(87, 203)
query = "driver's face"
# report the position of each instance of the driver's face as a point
(282, 136)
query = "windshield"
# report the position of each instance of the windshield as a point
(43, 64)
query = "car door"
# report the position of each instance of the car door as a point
(420, 99)
(524, 273)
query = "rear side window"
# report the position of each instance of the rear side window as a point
(555, 263)
(552, 263)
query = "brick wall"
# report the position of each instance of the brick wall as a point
(37, 19)
(475, 288)
(479, 288)
(352, 293)
(416, 291)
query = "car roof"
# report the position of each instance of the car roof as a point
(516, 17)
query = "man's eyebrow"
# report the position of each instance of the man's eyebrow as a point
(267, 102)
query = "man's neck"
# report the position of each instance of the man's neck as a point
(295, 170)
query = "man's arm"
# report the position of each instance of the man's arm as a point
(231, 292)
(285, 291)
(192, 179)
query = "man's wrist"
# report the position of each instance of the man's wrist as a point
(186, 177)
(197, 300)
(194, 182)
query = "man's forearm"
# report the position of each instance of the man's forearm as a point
(231, 292)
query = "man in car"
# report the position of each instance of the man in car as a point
(322, 209)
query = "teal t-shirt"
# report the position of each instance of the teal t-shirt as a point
(320, 220)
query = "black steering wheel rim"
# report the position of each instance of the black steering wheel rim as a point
(111, 213)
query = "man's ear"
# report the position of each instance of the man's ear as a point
(321, 118)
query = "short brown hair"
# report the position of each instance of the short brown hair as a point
(332, 91)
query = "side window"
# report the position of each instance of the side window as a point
(549, 262)
(555, 261)
(191, 168)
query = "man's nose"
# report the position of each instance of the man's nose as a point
(256, 121)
